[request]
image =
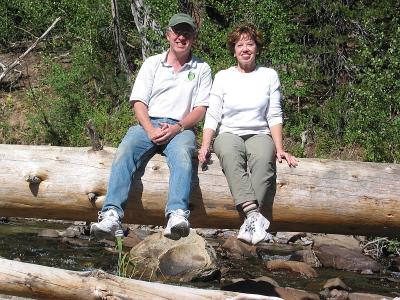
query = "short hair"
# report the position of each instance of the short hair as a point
(244, 28)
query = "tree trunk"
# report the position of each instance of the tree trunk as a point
(329, 196)
(122, 62)
(29, 280)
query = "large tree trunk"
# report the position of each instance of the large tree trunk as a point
(318, 196)
(28, 280)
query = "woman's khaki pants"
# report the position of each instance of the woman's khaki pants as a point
(249, 164)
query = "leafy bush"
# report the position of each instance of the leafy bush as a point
(338, 62)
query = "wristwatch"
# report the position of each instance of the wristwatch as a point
(181, 126)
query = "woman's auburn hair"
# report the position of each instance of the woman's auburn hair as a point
(247, 29)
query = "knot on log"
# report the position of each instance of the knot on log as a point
(92, 197)
(33, 179)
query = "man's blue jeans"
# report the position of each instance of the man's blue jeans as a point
(136, 148)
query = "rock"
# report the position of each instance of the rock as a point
(395, 264)
(267, 279)
(307, 256)
(52, 233)
(75, 242)
(238, 249)
(365, 296)
(267, 289)
(4, 220)
(73, 231)
(252, 297)
(346, 241)
(342, 258)
(157, 257)
(252, 287)
(131, 240)
(335, 283)
(289, 237)
(228, 233)
(207, 232)
(338, 295)
(294, 294)
(294, 266)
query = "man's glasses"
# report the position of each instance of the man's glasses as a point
(183, 32)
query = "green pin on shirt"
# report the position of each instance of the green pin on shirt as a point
(191, 76)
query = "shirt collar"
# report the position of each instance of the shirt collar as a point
(192, 63)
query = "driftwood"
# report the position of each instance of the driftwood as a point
(329, 196)
(7, 69)
(39, 282)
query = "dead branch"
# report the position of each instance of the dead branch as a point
(122, 61)
(144, 23)
(10, 67)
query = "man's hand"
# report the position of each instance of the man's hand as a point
(165, 133)
(156, 134)
(290, 159)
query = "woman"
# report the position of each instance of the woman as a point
(245, 113)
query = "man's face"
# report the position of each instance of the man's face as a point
(181, 38)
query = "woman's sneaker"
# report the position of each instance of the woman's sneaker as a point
(108, 225)
(245, 233)
(261, 225)
(178, 225)
(254, 229)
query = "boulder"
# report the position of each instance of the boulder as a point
(338, 257)
(157, 257)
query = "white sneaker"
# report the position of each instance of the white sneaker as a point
(260, 225)
(108, 226)
(178, 225)
(245, 233)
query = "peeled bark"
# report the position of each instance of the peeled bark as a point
(29, 280)
(329, 196)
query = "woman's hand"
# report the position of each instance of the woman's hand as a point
(290, 159)
(203, 154)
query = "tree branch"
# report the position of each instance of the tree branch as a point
(8, 68)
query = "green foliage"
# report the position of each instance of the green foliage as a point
(81, 93)
(338, 63)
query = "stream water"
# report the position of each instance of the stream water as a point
(19, 240)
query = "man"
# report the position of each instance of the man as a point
(169, 97)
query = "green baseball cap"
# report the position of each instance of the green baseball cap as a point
(182, 18)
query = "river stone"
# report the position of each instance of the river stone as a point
(237, 249)
(346, 241)
(294, 266)
(159, 258)
(365, 296)
(51, 233)
(338, 257)
(335, 283)
(338, 294)
(289, 237)
(294, 294)
(267, 289)
(307, 256)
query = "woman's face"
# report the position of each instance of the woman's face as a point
(246, 51)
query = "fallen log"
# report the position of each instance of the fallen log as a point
(329, 196)
(39, 282)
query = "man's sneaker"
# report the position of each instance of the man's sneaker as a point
(260, 225)
(178, 225)
(108, 226)
(245, 233)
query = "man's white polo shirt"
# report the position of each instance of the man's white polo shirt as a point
(169, 94)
